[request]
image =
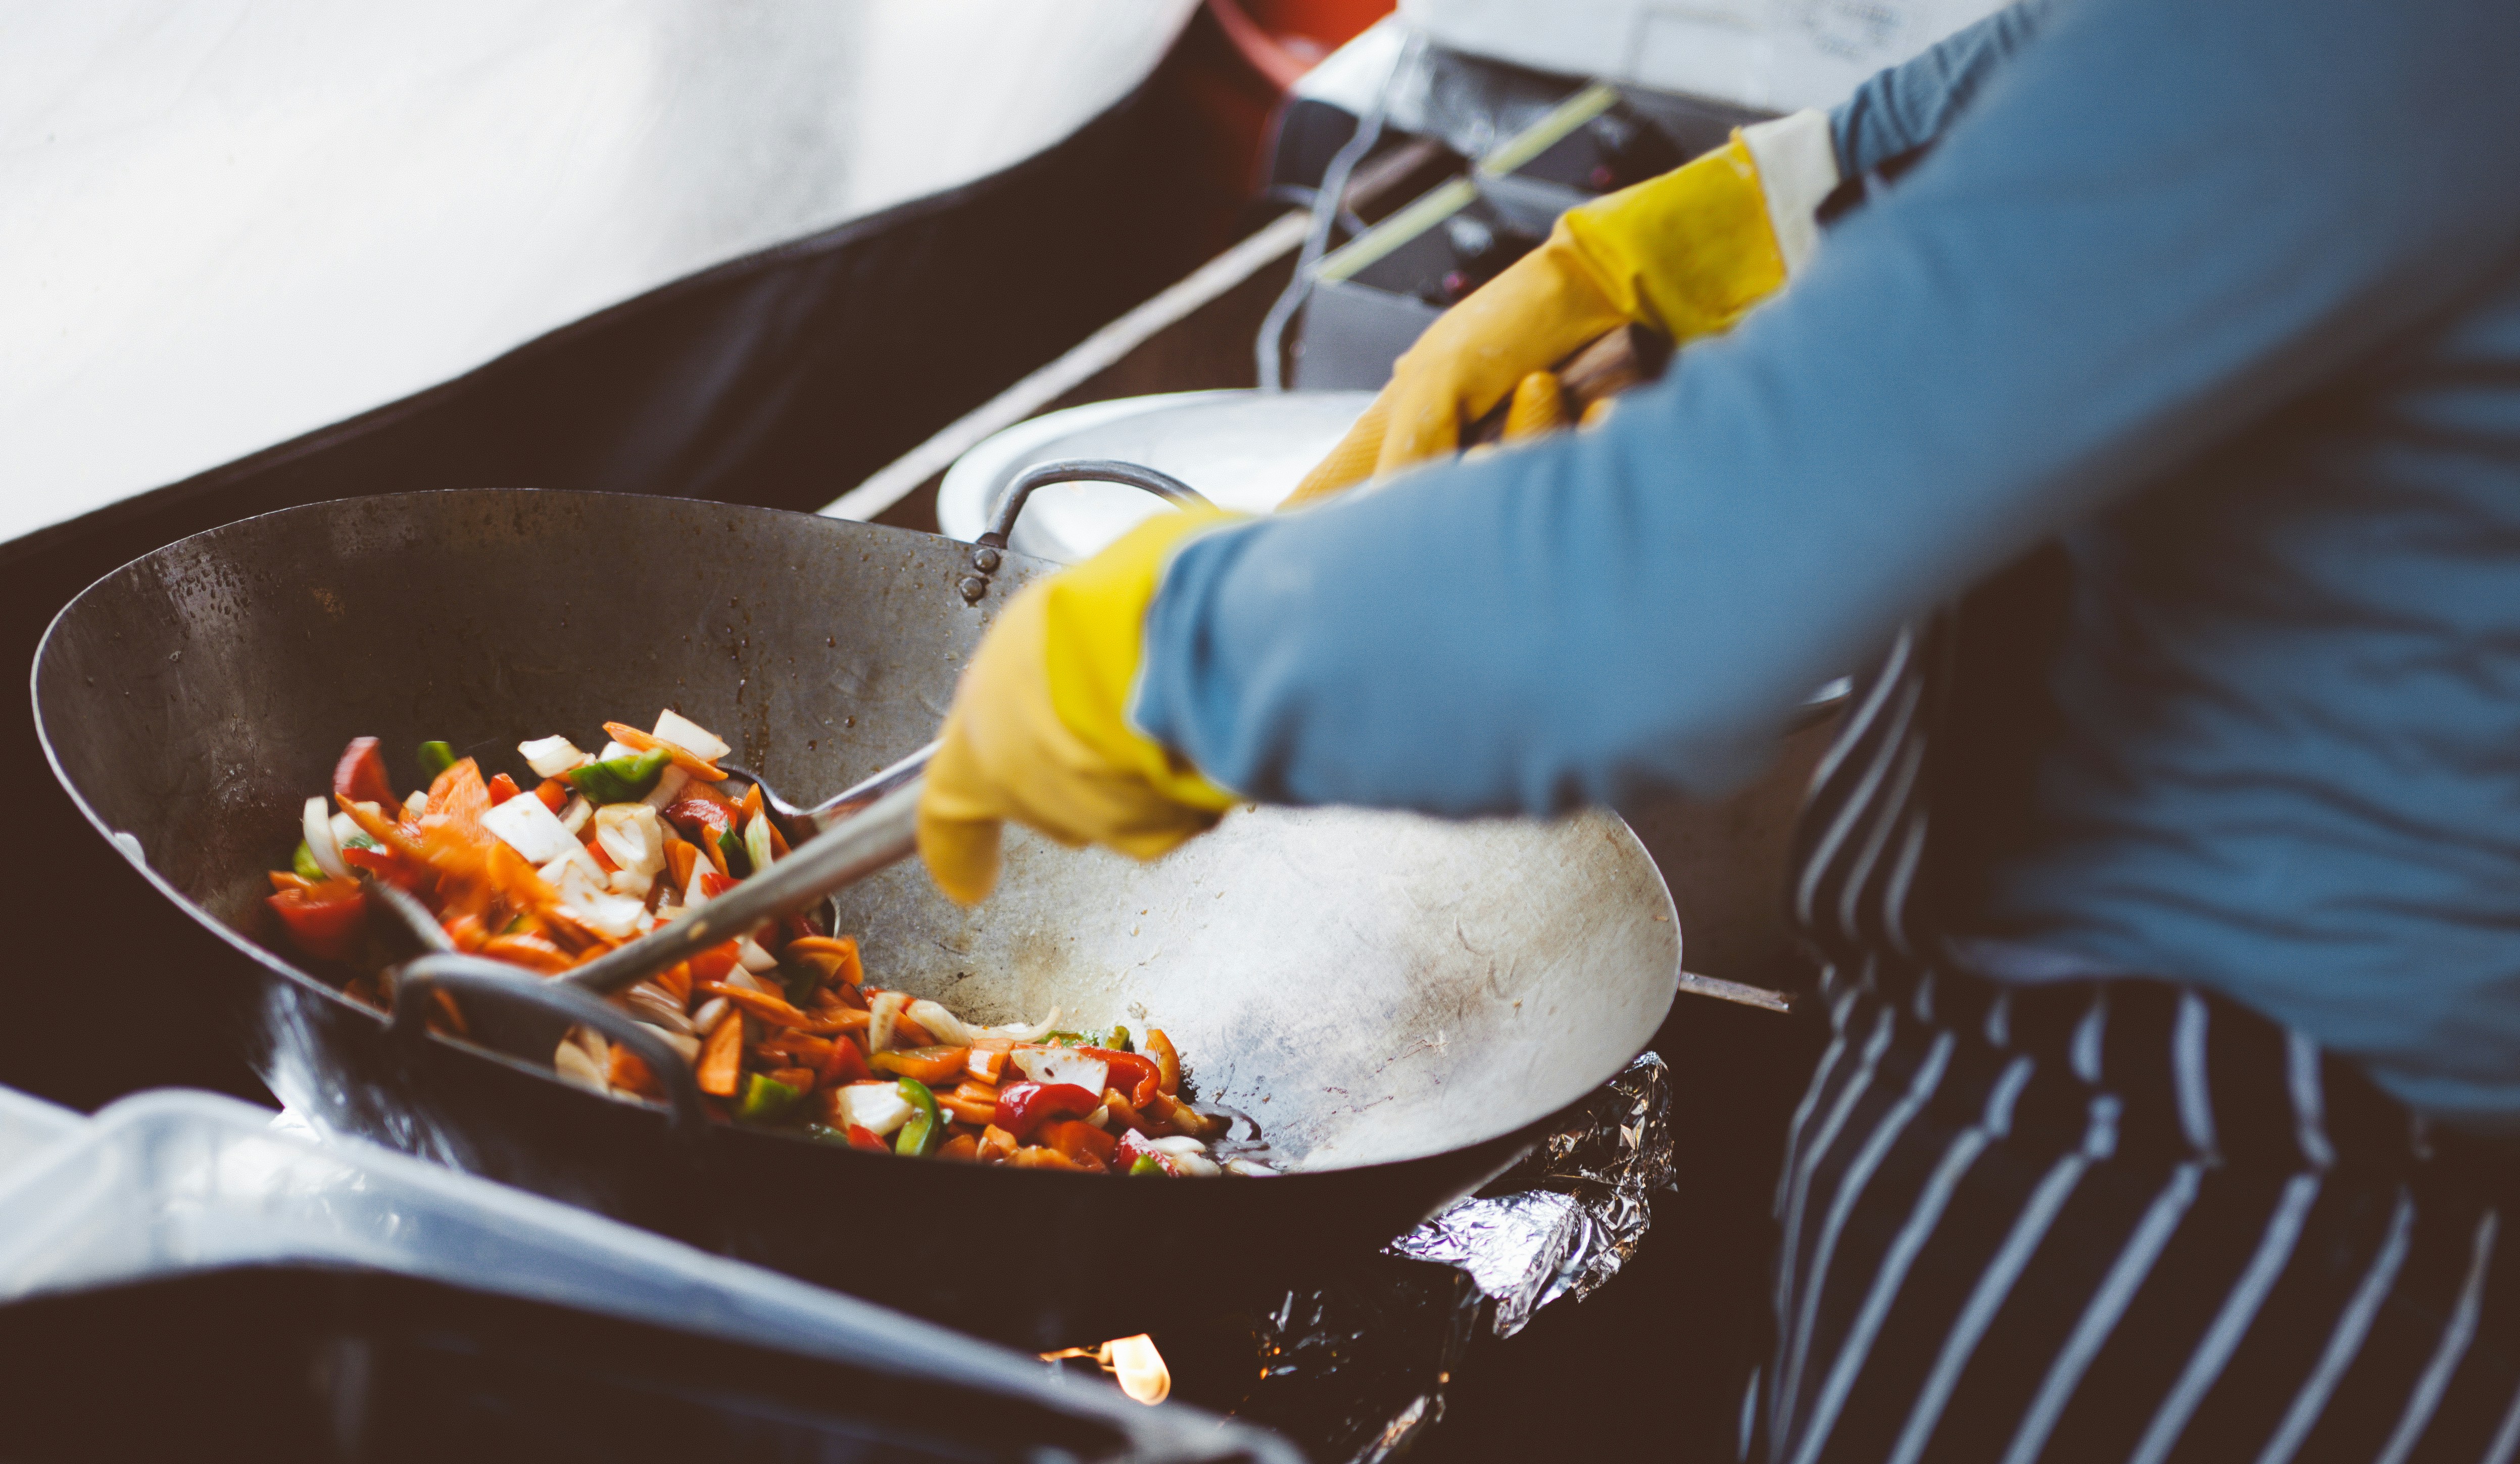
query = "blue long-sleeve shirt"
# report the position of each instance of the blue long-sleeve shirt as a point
(2225, 296)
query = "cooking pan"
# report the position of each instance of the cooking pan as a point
(1400, 1003)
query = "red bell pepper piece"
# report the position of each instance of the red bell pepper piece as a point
(328, 922)
(1080, 1140)
(360, 776)
(1026, 1105)
(693, 814)
(1133, 1147)
(1134, 1075)
(713, 964)
(713, 883)
(502, 789)
(847, 1063)
(862, 1137)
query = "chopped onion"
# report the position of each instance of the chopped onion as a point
(711, 1012)
(347, 833)
(631, 834)
(757, 842)
(657, 1007)
(1019, 1031)
(632, 883)
(1063, 1065)
(612, 750)
(743, 981)
(1177, 1143)
(574, 1063)
(574, 875)
(524, 825)
(753, 957)
(318, 822)
(1249, 1166)
(615, 915)
(692, 737)
(550, 757)
(885, 1011)
(669, 786)
(682, 1042)
(573, 815)
(1100, 1118)
(947, 1027)
(416, 805)
(875, 1107)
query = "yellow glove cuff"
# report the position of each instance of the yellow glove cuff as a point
(1097, 620)
(1689, 253)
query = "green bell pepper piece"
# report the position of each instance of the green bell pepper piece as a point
(1120, 1039)
(435, 758)
(766, 1100)
(925, 1130)
(1147, 1163)
(620, 780)
(303, 865)
(739, 864)
(1065, 1040)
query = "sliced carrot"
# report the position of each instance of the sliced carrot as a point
(626, 1071)
(969, 1110)
(996, 1145)
(467, 932)
(804, 1047)
(680, 856)
(909, 1034)
(1124, 1112)
(722, 1057)
(716, 858)
(961, 1147)
(684, 757)
(751, 806)
(931, 1064)
(799, 1078)
(554, 792)
(1037, 1156)
(502, 789)
(677, 981)
(281, 879)
(770, 1008)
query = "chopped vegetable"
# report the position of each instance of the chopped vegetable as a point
(925, 1127)
(778, 1022)
(721, 1058)
(699, 741)
(929, 1065)
(619, 780)
(531, 829)
(766, 1100)
(550, 757)
(327, 921)
(360, 776)
(1025, 1106)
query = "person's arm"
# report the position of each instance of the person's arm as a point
(2159, 225)
(1901, 110)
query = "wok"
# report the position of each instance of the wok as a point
(1401, 1003)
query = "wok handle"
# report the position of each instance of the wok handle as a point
(1164, 485)
(988, 551)
(482, 979)
(885, 834)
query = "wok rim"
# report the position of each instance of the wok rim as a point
(1516, 1137)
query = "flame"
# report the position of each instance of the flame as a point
(1132, 1361)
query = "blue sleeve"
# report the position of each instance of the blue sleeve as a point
(2158, 226)
(1909, 106)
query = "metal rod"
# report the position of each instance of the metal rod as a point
(885, 834)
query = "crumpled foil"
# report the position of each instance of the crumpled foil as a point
(1354, 1371)
(1564, 1219)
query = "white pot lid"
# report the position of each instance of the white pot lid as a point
(1246, 450)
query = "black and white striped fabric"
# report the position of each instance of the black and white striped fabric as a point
(2105, 1219)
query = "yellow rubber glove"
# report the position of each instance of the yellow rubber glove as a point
(1039, 729)
(1689, 253)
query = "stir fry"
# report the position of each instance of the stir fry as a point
(780, 1024)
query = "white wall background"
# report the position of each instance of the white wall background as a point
(227, 222)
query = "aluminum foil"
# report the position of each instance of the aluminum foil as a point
(1354, 1371)
(1572, 1213)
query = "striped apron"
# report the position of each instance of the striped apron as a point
(2117, 1219)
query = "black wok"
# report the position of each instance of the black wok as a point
(1399, 1002)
